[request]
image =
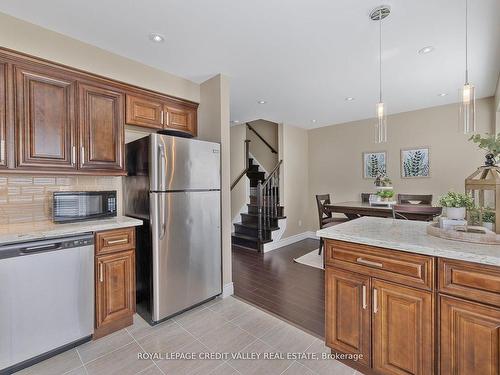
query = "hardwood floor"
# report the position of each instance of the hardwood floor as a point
(274, 282)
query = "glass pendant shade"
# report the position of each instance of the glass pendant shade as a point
(467, 113)
(381, 125)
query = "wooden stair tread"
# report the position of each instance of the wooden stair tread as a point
(255, 226)
(257, 215)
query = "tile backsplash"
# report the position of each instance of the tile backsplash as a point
(25, 199)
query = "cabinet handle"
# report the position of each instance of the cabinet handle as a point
(73, 155)
(2, 151)
(168, 119)
(365, 305)
(101, 275)
(161, 117)
(369, 263)
(82, 154)
(114, 242)
(375, 301)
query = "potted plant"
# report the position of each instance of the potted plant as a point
(489, 218)
(386, 195)
(490, 143)
(456, 204)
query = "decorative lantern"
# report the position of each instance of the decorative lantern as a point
(484, 186)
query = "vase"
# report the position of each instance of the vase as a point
(490, 160)
(488, 226)
(455, 213)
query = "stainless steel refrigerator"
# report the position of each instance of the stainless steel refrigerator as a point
(173, 185)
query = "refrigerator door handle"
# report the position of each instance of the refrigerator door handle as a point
(163, 169)
(163, 224)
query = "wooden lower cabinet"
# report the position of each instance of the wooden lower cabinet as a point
(469, 338)
(114, 291)
(403, 329)
(348, 313)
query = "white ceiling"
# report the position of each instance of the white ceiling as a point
(302, 56)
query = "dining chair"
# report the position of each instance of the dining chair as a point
(415, 212)
(425, 199)
(325, 216)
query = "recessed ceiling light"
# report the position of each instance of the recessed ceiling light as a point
(442, 94)
(262, 102)
(425, 50)
(235, 121)
(349, 99)
(157, 38)
(313, 121)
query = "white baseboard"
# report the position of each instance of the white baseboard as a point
(227, 290)
(289, 240)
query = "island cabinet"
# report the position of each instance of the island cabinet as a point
(164, 113)
(380, 303)
(469, 304)
(114, 280)
(407, 313)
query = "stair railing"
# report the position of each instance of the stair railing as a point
(245, 170)
(261, 138)
(268, 200)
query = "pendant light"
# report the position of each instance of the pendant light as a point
(378, 14)
(467, 97)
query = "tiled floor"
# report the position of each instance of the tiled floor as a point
(220, 326)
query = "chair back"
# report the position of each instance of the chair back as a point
(323, 214)
(406, 198)
(365, 197)
(415, 212)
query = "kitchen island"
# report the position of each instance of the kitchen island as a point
(405, 302)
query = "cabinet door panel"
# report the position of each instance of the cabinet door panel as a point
(115, 292)
(348, 313)
(470, 338)
(403, 325)
(181, 118)
(101, 128)
(143, 111)
(45, 120)
(3, 115)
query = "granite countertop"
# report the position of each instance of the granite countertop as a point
(409, 236)
(12, 233)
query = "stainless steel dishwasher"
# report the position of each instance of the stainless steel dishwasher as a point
(46, 298)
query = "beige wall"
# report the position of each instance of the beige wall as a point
(335, 161)
(239, 195)
(269, 131)
(497, 107)
(295, 179)
(34, 40)
(213, 116)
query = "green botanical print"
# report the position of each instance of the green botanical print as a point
(416, 164)
(375, 165)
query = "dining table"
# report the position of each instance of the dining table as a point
(356, 209)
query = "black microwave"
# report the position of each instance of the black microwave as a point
(70, 206)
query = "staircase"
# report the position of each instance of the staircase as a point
(263, 211)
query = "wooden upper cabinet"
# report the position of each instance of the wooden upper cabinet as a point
(348, 313)
(181, 118)
(144, 111)
(3, 115)
(403, 327)
(101, 128)
(45, 119)
(470, 338)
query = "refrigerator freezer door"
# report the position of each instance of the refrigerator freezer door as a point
(183, 164)
(186, 250)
